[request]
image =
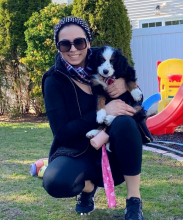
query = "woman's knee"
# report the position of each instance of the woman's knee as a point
(124, 130)
(54, 185)
(60, 182)
(123, 123)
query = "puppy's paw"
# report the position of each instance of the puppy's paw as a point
(92, 133)
(101, 116)
(107, 146)
(109, 119)
(136, 94)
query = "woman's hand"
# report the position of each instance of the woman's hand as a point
(117, 88)
(118, 107)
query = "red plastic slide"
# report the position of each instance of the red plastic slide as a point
(167, 120)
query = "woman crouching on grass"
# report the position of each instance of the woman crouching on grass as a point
(74, 165)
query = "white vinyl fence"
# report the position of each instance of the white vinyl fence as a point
(150, 45)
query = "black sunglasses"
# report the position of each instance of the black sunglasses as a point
(65, 45)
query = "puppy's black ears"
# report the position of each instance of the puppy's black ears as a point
(120, 50)
(120, 64)
(93, 62)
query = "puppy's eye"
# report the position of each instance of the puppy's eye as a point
(112, 60)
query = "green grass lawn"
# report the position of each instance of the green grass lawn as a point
(22, 196)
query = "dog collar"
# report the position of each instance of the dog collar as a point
(109, 80)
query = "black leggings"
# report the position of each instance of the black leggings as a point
(66, 176)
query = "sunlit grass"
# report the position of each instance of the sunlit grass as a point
(28, 162)
(22, 196)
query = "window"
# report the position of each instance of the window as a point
(145, 25)
(174, 22)
(168, 23)
(158, 22)
(152, 24)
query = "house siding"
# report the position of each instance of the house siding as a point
(145, 9)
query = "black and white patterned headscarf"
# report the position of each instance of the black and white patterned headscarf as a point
(72, 20)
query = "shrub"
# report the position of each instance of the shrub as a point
(109, 22)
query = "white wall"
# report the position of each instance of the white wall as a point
(145, 9)
(150, 45)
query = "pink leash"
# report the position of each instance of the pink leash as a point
(108, 179)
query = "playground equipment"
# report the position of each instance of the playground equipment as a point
(170, 77)
(151, 100)
(39, 167)
(169, 118)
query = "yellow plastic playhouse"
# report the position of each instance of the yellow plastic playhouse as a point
(170, 73)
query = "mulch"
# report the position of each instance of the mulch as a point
(31, 118)
(177, 136)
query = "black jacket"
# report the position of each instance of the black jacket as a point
(69, 126)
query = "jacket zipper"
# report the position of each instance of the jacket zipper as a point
(145, 134)
(78, 107)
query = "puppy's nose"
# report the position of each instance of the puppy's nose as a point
(105, 72)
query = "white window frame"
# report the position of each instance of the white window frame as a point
(160, 19)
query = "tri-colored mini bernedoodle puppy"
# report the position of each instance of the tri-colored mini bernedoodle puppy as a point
(109, 64)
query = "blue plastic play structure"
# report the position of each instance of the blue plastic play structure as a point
(151, 100)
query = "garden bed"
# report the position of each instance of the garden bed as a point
(177, 137)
